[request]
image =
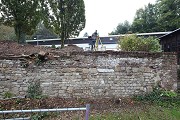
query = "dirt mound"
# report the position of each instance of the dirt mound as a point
(72, 48)
(10, 48)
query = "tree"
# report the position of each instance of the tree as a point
(169, 14)
(6, 33)
(146, 19)
(85, 34)
(68, 18)
(164, 15)
(134, 43)
(43, 33)
(23, 15)
(122, 28)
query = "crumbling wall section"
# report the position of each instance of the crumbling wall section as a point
(92, 74)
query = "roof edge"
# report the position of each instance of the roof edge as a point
(169, 33)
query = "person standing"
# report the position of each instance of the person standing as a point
(94, 37)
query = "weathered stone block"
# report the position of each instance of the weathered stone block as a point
(117, 68)
(85, 70)
(105, 70)
(93, 70)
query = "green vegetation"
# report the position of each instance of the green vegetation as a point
(134, 43)
(8, 94)
(168, 14)
(67, 21)
(158, 105)
(53, 46)
(40, 116)
(23, 22)
(161, 97)
(34, 90)
(122, 28)
(58, 16)
(43, 33)
(7, 33)
(161, 16)
(38, 61)
(147, 113)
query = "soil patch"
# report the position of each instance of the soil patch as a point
(10, 48)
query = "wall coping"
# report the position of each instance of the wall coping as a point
(102, 53)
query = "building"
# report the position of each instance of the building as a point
(109, 42)
(171, 42)
(84, 42)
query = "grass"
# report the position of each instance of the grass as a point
(149, 107)
(148, 113)
(143, 112)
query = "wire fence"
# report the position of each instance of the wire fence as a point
(45, 114)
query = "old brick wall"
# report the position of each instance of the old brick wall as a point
(92, 74)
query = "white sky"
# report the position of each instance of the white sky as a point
(104, 15)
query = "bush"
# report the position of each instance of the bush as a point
(53, 46)
(153, 96)
(134, 43)
(34, 90)
(160, 97)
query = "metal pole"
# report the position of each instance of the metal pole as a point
(37, 40)
(41, 110)
(28, 118)
(87, 111)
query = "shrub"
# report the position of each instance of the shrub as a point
(160, 97)
(155, 95)
(53, 46)
(8, 94)
(34, 90)
(134, 43)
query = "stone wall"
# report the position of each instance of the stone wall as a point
(92, 74)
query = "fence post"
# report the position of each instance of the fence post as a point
(87, 111)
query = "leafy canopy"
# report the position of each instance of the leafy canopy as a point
(7, 33)
(23, 15)
(134, 43)
(164, 15)
(67, 18)
(122, 28)
(169, 14)
(43, 33)
(145, 19)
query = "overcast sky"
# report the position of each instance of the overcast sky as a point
(104, 15)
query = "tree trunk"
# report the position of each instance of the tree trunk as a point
(62, 32)
(62, 35)
(20, 34)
